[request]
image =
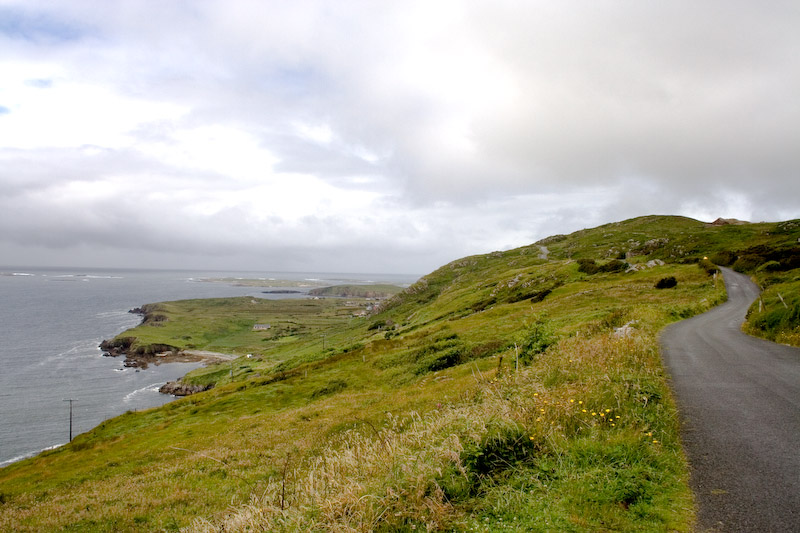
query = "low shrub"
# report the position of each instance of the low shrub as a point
(747, 263)
(590, 266)
(332, 387)
(770, 266)
(538, 338)
(709, 267)
(724, 258)
(666, 283)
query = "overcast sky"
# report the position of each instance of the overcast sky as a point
(382, 136)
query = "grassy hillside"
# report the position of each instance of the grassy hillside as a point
(500, 392)
(375, 290)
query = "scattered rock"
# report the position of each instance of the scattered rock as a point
(624, 331)
(644, 266)
(178, 388)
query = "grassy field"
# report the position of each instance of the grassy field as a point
(501, 392)
(226, 325)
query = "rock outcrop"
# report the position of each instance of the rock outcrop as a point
(179, 388)
(727, 222)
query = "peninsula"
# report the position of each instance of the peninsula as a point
(520, 390)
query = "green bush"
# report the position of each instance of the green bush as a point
(747, 263)
(724, 258)
(332, 387)
(615, 265)
(588, 266)
(501, 449)
(666, 283)
(708, 266)
(537, 339)
(441, 360)
(440, 354)
(770, 266)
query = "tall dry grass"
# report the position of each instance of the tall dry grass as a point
(412, 471)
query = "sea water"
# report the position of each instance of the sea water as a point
(51, 323)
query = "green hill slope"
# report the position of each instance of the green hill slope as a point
(500, 392)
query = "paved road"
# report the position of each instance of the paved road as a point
(739, 399)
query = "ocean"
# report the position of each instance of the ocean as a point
(51, 323)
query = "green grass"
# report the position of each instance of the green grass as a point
(376, 290)
(776, 315)
(226, 324)
(416, 417)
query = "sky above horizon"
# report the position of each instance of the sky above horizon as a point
(392, 136)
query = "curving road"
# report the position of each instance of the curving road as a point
(739, 399)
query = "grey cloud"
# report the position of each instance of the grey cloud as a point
(612, 110)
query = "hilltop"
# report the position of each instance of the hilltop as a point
(519, 390)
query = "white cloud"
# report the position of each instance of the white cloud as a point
(392, 135)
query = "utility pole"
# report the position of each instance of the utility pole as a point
(323, 342)
(70, 417)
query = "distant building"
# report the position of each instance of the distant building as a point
(261, 327)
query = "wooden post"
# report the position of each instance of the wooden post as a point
(70, 417)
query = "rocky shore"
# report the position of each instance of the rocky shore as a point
(141, 356)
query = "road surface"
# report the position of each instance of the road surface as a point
(739, 399)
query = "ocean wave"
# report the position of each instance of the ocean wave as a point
(153, 387)
(16, 274)
(29, 454)
(76, 277)
(84, 349)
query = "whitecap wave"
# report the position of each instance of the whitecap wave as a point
(153, 387)
(84, 349)
(29, 454)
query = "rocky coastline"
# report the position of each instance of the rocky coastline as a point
(141, 356)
